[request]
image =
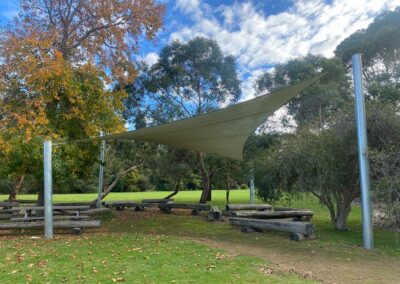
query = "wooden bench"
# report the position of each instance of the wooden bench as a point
(298, 230)
(20, 201)
(162, 200)
(26, 211)
(196, 208)
(301, 215)
(8, 204)
(76, 226)
(65, 216)
(122, 205)
(258, 207)
(215, 214)
(57, 217)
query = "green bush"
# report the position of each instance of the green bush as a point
(243, 186)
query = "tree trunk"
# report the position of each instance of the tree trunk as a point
(113, 184)
(176, 189)
(228, 191)
(14, 192)
(40, 199)
(209, 186)
(205, 179)
(342, 212)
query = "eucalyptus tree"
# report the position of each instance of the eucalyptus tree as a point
(320, 100)
(380, 48)
(188, 79)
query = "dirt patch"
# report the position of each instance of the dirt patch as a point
(317, 267)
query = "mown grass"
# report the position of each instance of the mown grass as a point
(108, 257)
(149, 247)
(385, 241)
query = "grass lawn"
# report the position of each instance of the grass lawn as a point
(131, 258)
(385, 241)
(149, 247)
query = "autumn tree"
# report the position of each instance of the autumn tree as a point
(55, 60)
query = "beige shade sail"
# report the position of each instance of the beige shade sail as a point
(223, 132)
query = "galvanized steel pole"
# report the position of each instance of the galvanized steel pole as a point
(362, 152)
(48, 191)
(101, 173)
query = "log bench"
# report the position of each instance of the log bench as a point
(300, 215)
(215, 214)
(162, 200)
(76, 226)
(298, 230)
(122, 205)
(20, 201)
(258, 207)
(56, 217)
(196, 208)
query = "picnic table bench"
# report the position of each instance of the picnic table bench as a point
(58, 209)
(8, 204)
(75, 225)
(57, 217)
(65, 216)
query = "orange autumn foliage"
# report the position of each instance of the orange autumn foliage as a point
(57, 57)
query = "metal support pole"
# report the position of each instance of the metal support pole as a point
(48, 191)
(101, 172)
(251, 187)
(362, 152)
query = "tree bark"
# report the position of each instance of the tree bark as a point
(205, 178)
(114, 183)
(14, 192)
(40, 199)
(342, 212)
(228, 191)
(176, 189)
(343, 208)
(209, 186)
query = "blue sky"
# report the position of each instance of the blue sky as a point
(259, 34)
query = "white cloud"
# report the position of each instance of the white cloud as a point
(188, 6)
(259, 40)
(150, 58)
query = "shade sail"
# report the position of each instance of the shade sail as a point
(223, 132)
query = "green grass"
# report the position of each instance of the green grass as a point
(131, 258)
(385, 241)
(146, 247)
